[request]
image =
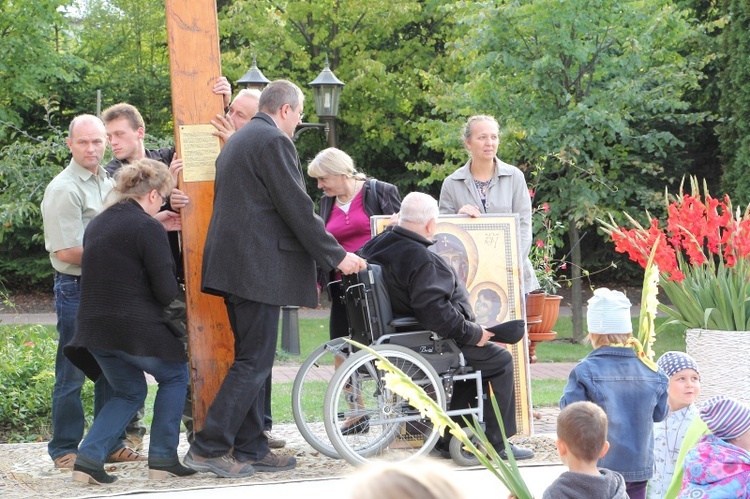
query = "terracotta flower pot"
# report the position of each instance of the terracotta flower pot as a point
(534, 307)
(549, 315)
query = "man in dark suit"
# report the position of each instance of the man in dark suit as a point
(261, 247)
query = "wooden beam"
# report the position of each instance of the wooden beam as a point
(195, 64)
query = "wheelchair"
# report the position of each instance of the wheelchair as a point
(386, 426)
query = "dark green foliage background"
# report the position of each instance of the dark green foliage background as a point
(414, 70)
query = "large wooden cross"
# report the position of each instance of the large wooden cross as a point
(195, 64)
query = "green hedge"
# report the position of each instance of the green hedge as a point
(27, 371)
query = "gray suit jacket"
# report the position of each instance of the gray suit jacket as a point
(264, 236)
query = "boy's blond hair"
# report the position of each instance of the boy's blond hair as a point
(583, 428)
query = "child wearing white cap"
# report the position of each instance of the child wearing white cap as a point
(684, 388)
(619, 379)
(719, 466)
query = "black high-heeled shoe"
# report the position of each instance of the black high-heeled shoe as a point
(84, 474)
(361, 426)
(160, 468)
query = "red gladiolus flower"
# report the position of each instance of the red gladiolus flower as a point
(702, 251)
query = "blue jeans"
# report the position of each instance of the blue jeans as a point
(125, 373)
(68, 417)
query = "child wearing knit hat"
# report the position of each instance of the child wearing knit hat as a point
(630, 389)
(719, 466)
(684, 388)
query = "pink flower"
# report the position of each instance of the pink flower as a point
(29, 344)
(545, 207)
(531, 192)
(539, 243)
(564, 266)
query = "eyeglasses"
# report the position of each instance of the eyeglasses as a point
(301, 114)
(164, 199)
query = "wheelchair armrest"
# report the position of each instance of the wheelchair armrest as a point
(400, 322)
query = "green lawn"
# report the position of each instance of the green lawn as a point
(314, 332)
(546, 392)
(561, 349)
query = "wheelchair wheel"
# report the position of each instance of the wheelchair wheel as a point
(309, 390)
(461, 456)
(388, 427)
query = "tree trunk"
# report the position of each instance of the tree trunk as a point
(575, 275)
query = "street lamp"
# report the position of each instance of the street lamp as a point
(254, 78)
(327, 91)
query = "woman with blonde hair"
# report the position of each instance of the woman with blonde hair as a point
(349, 200)
(487, 185)
(127, 279)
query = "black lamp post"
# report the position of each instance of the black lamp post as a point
(254, 78)
(327, 91)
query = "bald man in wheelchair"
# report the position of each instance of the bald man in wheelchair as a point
(422, 285)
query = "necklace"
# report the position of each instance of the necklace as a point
(482, 186)
(344, 203)
(674, 450)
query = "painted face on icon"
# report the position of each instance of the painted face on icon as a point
(487, 307)
(453, 252)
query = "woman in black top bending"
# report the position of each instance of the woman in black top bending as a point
(128, 277)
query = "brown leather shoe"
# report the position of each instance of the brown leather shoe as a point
(274, 462)
(274, 442)
(225, 466)
(66, 461)
(125, 455)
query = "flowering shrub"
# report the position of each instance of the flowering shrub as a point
(701, 252)
(27, 368)
(545, 241)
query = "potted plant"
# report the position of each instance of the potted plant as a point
(535, 306)
(701, 252)
(546, 268)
